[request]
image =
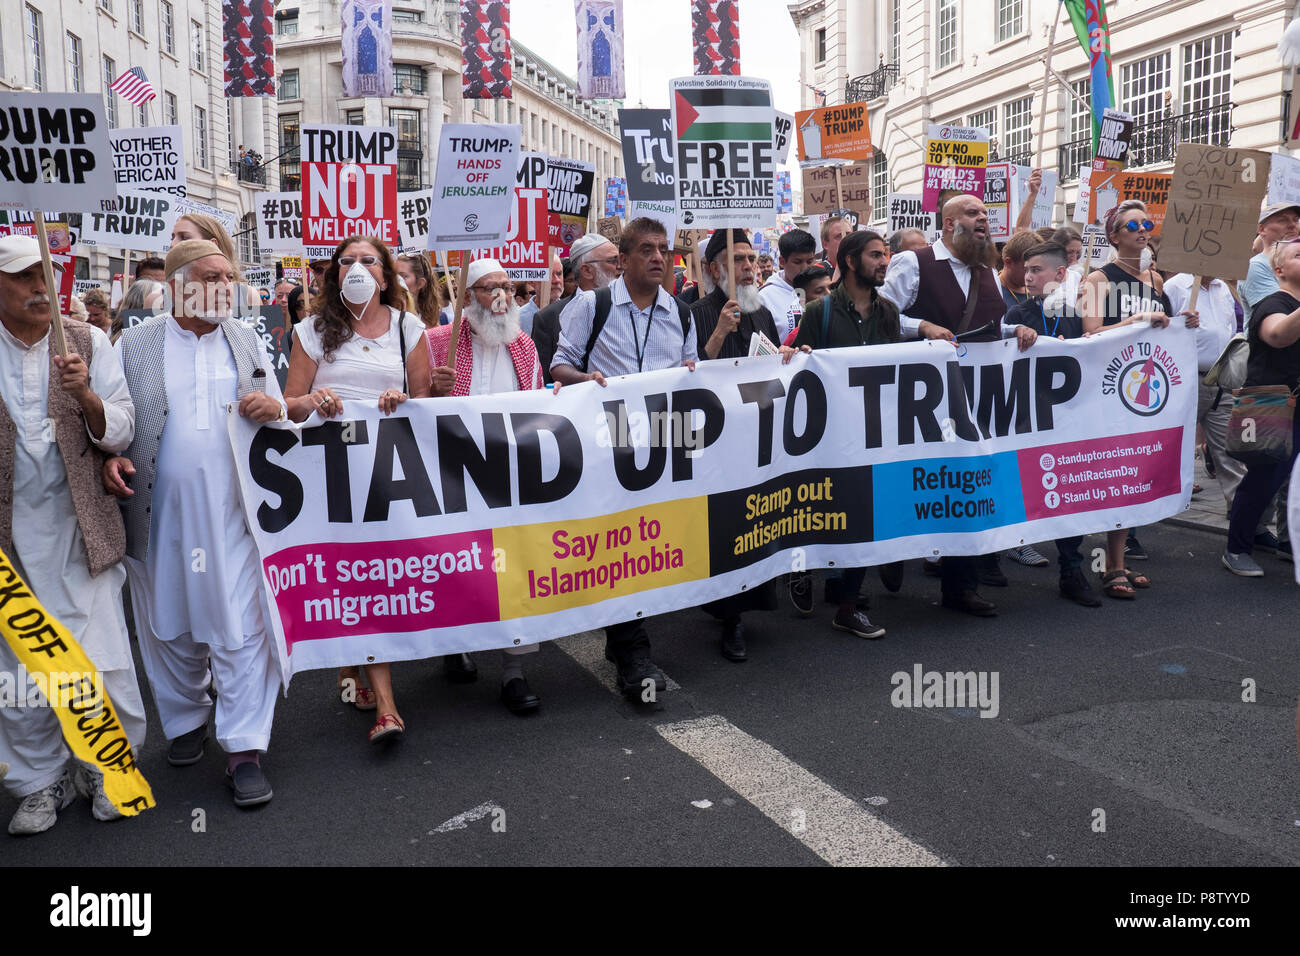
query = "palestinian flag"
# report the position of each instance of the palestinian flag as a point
(723, 115)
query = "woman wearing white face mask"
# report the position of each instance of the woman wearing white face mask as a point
(361, 347)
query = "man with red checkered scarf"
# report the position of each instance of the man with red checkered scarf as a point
(493, 355)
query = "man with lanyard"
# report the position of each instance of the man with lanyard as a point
(798, 251)
(1048, 314)
(643, 331)
(942, 291)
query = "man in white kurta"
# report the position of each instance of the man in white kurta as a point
(197, 589)
(47, 544)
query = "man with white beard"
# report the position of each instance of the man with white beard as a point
(726, 318)
(594, 261)
(493, 355)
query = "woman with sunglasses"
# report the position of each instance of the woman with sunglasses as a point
(1122, 292)
(361, 347)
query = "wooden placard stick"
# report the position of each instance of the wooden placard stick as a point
(58, 343)
(1196, 291)
(839, 190)
(456, 310)
(447, 279)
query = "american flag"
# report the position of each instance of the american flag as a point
(133, 86)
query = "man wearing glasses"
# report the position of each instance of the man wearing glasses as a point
(631, 326)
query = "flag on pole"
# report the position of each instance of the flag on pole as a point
(134, 87)
(1093, 30)
(715, 34)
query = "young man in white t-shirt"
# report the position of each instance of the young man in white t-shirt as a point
(798, 251)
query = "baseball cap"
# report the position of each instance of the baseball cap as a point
(1272, 209)
(21, 252)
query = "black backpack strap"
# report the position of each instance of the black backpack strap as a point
(604, 302)
(684, 314)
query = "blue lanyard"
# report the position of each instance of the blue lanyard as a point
(1042, 317)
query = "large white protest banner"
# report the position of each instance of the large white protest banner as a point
(138, 221)
(725, 161)
(149, 159)
(349, 185)
(460, 524)
(54, 152)
(473, 187)
(279, 223)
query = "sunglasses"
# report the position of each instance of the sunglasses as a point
(1133, 225)
(364, 260)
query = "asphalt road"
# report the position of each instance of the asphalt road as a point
(1129, 715)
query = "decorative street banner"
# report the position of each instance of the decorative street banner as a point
(821, 195)
(138, 221)
(1213, 210)
(570, 184)
(648, 161)
(462, 524)
(486, 60)
(955, 158)
(54, 152)
(414, 219)
(349, 185)
(782, 133)
(523, 254)
(367, 35)
(833, 133)
(149, 159)
(248, 47)
(725, 164)
(473, 186)
(279, 224)
(715, 35)
(907, 212)
(600, 49)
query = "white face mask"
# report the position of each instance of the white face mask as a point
(1144, 262)
(359, 285)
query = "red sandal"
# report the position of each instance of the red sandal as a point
(388, 725)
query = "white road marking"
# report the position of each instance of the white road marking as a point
(830, 824)
(462, 820)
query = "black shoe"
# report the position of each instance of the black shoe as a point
(993, 577)
(249, 784)
(1133, 549)
(634, 669)
(733, 641)
(1075, 586)
(933, 569)
(1284, 551)
(187, 749)
(891, 576)
(1266, 541)
(519, 697)
(460, 668)
(855, 622)
(971, 603)
(801, 593)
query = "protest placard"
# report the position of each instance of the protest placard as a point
(610, 227)
(724, 162)
(569, 185)
(294, 268)
(227, 219)
(149, 159)
(138, 221)
(1095, 244)
(955, 158)
(1101, 436)
(1283, 179)
(523, 253)
(473, 186)
(279, 223)
(647, 142)
(80, 286)
(823, 193)
(998, 201)
(349, 185)
(1044, 202)
(1083, 203)
(54, 151)
(907, 212)
(260, 277)
(833, 133)
(414, 218)
(1149, 188)
(782, 133)
(1112, 154)
(1213, 210)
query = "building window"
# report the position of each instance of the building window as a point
(196, 45)
(168, 28)
(1016, 124)
(288, 89)
(896, 31)
(35, 62)
(171, 112)
(106, 5)
(1207, 87)
(408, 16)
(819, 44)
(110, 98)
(1142, 87)
(946, 48)
(137, 16)
(290, 166)
(354, 117)
(410, 147)
(1078, 151)
(985, 119)
(74, 62)
(248, 247)
(408, 78)
(200, 137)
(142, 115)
(1010, 19)
(879, 185)
(286, 23)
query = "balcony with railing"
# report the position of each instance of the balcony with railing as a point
(251, 173)
(873, 85)
(1155, 141)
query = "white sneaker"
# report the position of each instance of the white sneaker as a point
(90, 784)
(40, 811)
